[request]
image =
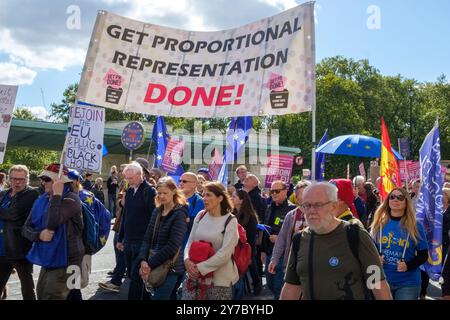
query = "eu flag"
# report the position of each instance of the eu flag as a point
(320, 159)
(160, 137)
(429, 207)
(237, 135)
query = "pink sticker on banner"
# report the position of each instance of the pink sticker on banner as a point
(276, 82)
(113, 79)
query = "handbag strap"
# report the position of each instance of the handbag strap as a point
(157, 222)
(155, 229)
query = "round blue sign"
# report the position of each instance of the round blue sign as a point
(334, 261)
(133, 135)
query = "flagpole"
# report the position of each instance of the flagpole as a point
(313, 155)
(404, 163)
(148, 153)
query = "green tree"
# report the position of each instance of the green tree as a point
(34, 158)
(24, 114)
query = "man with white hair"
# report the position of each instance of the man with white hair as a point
(323, 263)
(358, 183)
(138, 208)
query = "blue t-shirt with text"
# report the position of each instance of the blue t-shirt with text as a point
(393, 243)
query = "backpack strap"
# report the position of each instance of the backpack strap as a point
(231, 216)
(352, 231)
(311, 266)
(201, 215)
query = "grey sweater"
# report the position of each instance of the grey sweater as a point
(284, 240)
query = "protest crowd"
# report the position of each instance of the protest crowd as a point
(220, 232)
(314, 240)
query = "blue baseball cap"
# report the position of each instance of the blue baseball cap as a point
(74, 175)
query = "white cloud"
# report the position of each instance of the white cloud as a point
(44, 57)
(281, 4)
(13, 74)
(41, 39)
(38, 111)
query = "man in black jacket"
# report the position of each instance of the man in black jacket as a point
(138, 208)
(275, 215)
(251, 185)
(15, 206)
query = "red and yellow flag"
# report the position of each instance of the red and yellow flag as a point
(389, 172)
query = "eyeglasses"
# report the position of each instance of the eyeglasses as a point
(17, 179)
(308, 206)
(45, 179)
(399, 197)
(276, 191)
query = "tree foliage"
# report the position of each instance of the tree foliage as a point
(352, 96)
(35, 159)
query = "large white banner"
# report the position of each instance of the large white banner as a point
(263, 68)
(85, 138)
(7, 99)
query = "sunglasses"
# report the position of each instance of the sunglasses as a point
(399, 197)
(276, 191)
(45, 179)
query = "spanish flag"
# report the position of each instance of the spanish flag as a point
(389, 172)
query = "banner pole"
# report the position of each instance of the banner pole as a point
(348, 170)
(313, 151)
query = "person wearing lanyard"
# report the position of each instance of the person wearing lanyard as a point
(402, 244)
(275, 216)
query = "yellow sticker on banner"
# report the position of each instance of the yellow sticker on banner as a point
(277, 221)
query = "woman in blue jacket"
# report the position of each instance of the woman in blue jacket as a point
(164, 236)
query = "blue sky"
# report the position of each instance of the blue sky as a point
(38, 51)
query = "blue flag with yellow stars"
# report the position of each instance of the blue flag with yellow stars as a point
(160, 137)
(320, 159)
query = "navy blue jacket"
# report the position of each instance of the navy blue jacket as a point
(136, 213)
(168, 240)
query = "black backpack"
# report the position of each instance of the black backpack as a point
(352, 231)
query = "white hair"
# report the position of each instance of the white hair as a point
(20, 168)
(358, 179)
(134, 167)
(329, 188)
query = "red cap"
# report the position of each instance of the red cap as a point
(345, 193)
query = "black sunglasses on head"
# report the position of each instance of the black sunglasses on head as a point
(45, 179)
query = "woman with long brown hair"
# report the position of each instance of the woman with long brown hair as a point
(216, 226)
(164, 237)
(402, 244)
(246, 215)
